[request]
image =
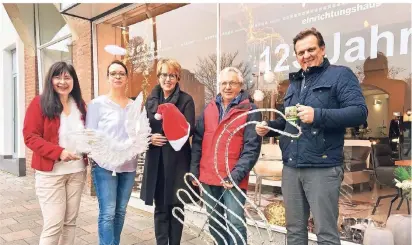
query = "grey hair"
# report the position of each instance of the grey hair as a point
(232, 69)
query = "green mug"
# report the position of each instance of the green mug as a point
(291, 113)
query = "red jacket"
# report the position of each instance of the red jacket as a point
(212, 130)
(41, 135)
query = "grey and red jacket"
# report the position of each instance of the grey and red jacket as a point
(244, 147)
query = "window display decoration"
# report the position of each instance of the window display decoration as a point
(115, 50)
(141, 57)
(403, 179)
(400, 226)
(258, 95)
(269, 77)
(275, 213)
(138, 54)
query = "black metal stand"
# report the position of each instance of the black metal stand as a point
(395, 197)
(407, 202)
(383, 197)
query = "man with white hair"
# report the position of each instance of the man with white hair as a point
(243, 152)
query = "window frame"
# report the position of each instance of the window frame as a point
(40, 48)
(15, 110)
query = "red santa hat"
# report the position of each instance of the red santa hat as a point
(175, 126)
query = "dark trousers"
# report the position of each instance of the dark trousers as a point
(316, 190)
(168, 229)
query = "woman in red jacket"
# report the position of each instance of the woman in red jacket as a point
(60, 172)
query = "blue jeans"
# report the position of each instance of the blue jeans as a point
(227, 199)
(113, 194)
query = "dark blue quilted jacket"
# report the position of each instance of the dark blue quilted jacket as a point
(335, 94)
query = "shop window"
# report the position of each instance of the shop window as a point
(183, 34)
(60, 51)
(179, 31)
(15, 102)
(54, 42)
(376, 49)
(51, 23)
(257, 38)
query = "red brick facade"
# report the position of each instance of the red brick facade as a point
(83, 63)
(31, 90)
(82, 54)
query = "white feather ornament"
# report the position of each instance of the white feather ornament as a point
(269, 77)
(258, 95)
(110, 153)
(115, 50)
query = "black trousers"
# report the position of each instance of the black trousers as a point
(168, 229)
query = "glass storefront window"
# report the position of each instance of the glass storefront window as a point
(60, 51)
(257, 38)
(174, 34)
(369, 40)
(54, 42)
(183, 33)
(51, 23)
(137, 40)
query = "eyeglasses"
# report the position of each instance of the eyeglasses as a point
(165, 75)
(231, 84)
(65, 78)
(120, 74)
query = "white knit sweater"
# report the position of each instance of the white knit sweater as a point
(68, 123)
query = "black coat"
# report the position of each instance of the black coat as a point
(176, 163)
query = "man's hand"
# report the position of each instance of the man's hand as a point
(306, 113)
(67, 156)
(158, 140)
(227, 185)
(261, 131)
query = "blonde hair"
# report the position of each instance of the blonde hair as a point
(172, 64)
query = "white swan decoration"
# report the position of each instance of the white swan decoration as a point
(111, 153)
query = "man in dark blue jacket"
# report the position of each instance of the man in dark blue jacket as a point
(328, 99)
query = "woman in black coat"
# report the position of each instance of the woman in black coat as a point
(164, 167)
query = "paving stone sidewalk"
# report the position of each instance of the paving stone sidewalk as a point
(21, 220)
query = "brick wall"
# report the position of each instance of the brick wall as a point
(82, 62)
(31, 90)
(82, 54)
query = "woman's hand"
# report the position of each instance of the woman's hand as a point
(158, 140)
(67, 156)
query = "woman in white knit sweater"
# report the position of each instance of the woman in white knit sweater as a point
(60, 172)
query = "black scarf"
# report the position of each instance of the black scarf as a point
(172, 98)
